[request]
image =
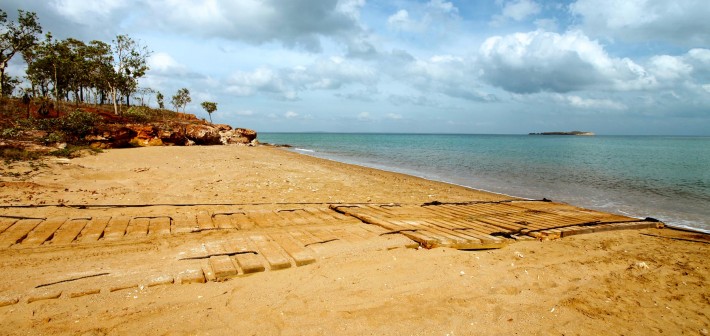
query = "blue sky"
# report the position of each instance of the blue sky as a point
(505, 67)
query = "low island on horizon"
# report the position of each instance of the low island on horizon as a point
(564, 133)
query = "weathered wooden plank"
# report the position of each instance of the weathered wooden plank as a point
(43, 231)
(300, 254)
(137, 227)
(69, 231)
(116, 228)
(222, 267)
(159, 226)
(18, 232)
(5, 223)
(294, 217)
(204, 220)
(94, 229)
(305, 238)
(184, 223)
(248, 262)
(222, 221)
(192, 275)
(264, 219)
(271, 252)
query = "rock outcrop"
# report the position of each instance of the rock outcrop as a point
(172, 134)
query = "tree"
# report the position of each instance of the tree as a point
(128, 64)
(209, 107)
(181, 99)
(16, 38)
(159, 97)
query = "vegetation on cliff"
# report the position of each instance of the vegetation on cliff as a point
(78, 94)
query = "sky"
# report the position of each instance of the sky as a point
(633, 67)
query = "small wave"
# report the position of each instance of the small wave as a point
(304, 150)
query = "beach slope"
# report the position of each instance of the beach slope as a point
(631, 282)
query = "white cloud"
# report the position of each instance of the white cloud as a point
(87, 12)
(589, 103)
(520, 9)
(435, 14)
(669, 67)
(442, 6)
(164, 63)
(257, 21)
(364, 116)
(394, 116)
(680, 21)
(545, 61)
(400, 20)
(449, 75)
(324, 74)
(291, 115)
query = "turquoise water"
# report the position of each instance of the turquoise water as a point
(664, 177)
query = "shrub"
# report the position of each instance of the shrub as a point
(54, 137)
(139, 114)
(18, 154)
(9, 133)
(75, 151)
(78, 123)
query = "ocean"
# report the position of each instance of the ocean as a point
(664, 177)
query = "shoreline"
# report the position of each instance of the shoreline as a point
(627, 200)
(394, 170)
(385, 168)
(587, 284)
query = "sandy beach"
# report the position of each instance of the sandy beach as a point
(630, 282)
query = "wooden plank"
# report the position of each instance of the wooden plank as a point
(18, 232)
(222, 267)
(94, 229)
(192, 275)
(325, 215)
(455, 238)
(116, 228)
(137, 227)
(159, 226)
(484, 238)
(322, 235)
(248, 262)
(300, 254)
(204, 220)
(69, 231)
(271, 252)
(264, 219)
(184, 223)
(345, 233)
(5, 223)
(242, 221)
(293, 217)
(222, 221)
(43, 231)
(304, 237)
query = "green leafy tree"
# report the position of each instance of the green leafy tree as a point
(16, 38)
(181, 99)
(209, 107)
(128, 64)
(160, 98)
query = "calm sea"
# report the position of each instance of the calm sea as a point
(664, 177)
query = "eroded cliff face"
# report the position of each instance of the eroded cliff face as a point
(169, 134)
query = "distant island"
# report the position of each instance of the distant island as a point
(564, 133)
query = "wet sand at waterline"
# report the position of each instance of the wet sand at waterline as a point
(631, 282)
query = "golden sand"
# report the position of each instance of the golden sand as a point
(620, 282)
